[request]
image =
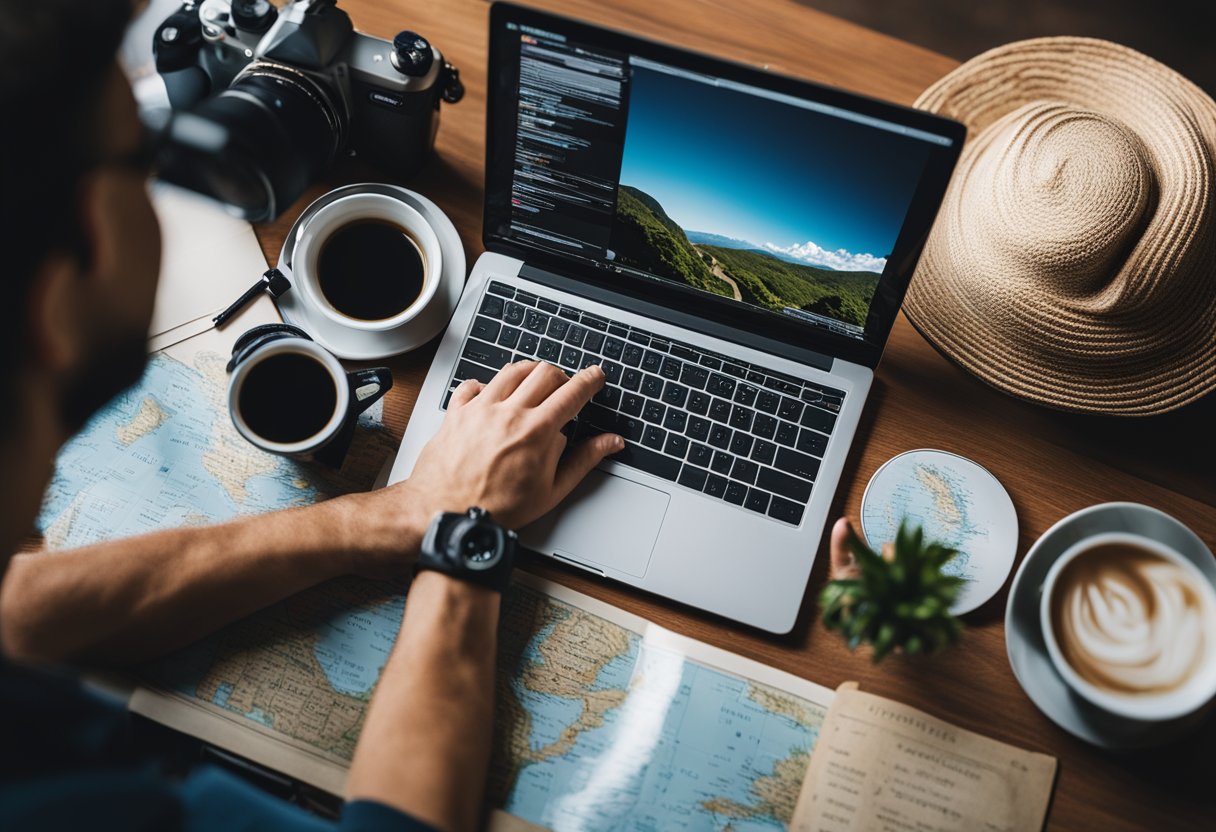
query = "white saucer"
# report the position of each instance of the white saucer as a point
(358, 345)
(984, 526)
(1024, 635)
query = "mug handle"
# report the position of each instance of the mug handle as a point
(368, 387)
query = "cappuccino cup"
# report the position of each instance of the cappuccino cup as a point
(368, 262)
(290, 396)
(1130, 624)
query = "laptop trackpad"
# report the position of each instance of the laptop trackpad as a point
(606, 522)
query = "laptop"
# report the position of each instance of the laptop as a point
(732, 246)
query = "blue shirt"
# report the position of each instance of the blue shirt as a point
(66, 763)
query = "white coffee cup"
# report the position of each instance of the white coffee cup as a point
(350, 209)
(1113, 607)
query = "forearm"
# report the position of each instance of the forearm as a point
(125, 601)
(425, 746)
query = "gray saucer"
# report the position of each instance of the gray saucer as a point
(1024, 635)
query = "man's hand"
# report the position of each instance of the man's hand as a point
(501, 446)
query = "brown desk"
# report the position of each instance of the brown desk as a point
(1052, 463)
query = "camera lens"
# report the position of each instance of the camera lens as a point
(258, 144)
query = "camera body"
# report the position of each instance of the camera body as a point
(301, 82)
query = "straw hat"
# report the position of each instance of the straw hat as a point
(1074, 259)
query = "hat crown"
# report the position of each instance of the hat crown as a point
(1066, 196)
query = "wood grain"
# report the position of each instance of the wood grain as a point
(1051, 463)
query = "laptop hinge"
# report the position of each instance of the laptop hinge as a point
(678, 318)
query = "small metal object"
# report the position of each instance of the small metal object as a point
(273, 281)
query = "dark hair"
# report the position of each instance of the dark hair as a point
(55, 59)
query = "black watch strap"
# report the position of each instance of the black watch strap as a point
(470, 547)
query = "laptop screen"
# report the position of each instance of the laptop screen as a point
(652, 164)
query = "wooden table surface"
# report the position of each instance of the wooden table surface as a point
(1051, 463)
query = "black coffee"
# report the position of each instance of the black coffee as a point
(370, 270)
(288, 397)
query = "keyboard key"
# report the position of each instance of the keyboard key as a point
(492, 305)
(767, 401)
(575, 336)
(485, 330)
(698, 428)
(675, 394)
(558, 328)
(632, 404)
(736, 493)
(515, 313)
(639, 337)
(715, 486)
(698, 403)
(547, 305)
(660, 344)
(652, 361)
(810, 442)
(676, 420)
(490, 356)
(684, 351)
(719, 410)
(528, 344)
(654, 412)
(692, 477)
(503, 289)
(652, 386)
(780, 509)
(595, 322)
(536, 322)
(800, 465)
(712, 362)
(745, 394)
(745, 471)
(676, 445)
(787, 434)
(671, 368)
(719, 436)
(526, 298)
(820, 420)
(509, 337)
(754, 377)
(764, 426)
(632, 380)
(741, 445)
(632, 355)
(613, 348)
(721, 386)
(789, 409)
(785, 384)
(571, 358)
(612, 371)
(757, 500)
(594, 341)
(595, 419)
(618, 330)
(722, 462)
(783, 484)
(549, 350)
(764, 452)
(694, 376)
(569, 312)
(588, 360)
(609, 397)
(734, 369)
(654, 437)
(467, 370)
(741, 418)
(648, 461)
(699, 454)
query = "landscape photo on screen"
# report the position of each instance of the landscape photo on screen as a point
(770, 203)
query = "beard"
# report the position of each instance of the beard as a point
(111, 368)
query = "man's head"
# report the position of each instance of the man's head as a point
(79, 243)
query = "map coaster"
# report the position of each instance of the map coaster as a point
(957, 502)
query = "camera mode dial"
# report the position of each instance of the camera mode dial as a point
(412, 54)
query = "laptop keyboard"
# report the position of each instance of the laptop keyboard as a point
(734, 431)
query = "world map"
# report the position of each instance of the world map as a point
(597, 729)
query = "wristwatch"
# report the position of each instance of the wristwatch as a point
(471, 547)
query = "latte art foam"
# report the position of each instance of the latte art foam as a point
(1130, 621)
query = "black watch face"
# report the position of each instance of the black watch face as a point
(481, 546)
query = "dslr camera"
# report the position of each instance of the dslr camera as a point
(265, 100)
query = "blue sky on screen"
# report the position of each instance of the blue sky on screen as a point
(792, 180)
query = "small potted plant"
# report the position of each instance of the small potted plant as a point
(900, 599)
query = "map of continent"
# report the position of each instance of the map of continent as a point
(596, 729)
